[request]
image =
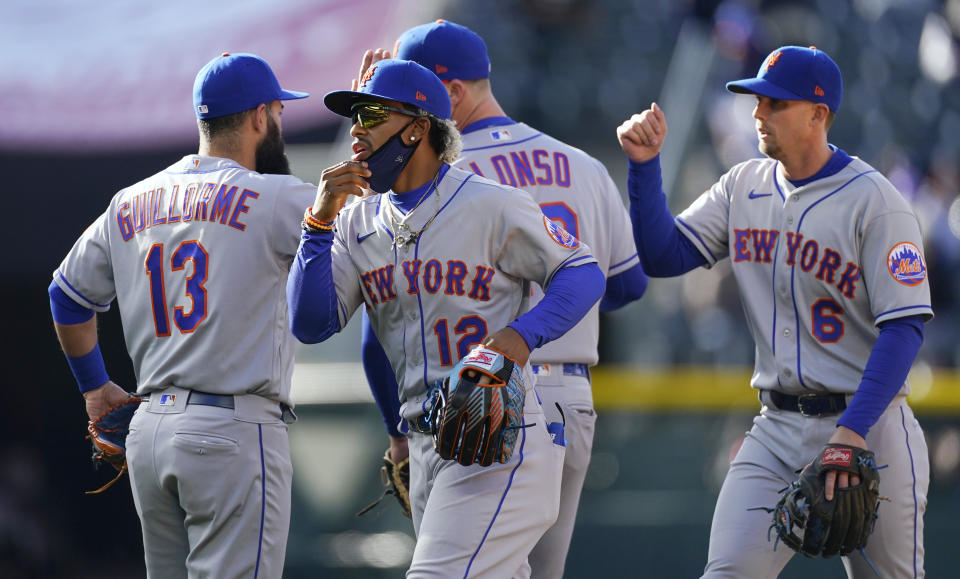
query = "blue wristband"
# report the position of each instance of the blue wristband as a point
(89, 370)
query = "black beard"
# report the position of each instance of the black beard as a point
(270, 158)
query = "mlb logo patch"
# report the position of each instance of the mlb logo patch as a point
(167, 399)
(541, 369)
(500, 135)
(202, 109)
(905, 264)
(559, 234)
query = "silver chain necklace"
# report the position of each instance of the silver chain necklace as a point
(403, 235)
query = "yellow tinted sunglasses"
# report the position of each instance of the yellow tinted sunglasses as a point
(370, 114)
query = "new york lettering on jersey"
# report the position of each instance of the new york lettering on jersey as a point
(758, 245)
(455, 279)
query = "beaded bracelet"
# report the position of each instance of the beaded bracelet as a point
(311, 229)
(312, 223)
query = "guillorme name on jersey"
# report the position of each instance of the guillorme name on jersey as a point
(200, 202)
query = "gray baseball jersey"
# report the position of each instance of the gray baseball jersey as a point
(465, 276)
(573, 189)
(445, 297)
(196, 253)
(197, 258)
(818, 267)
(576, 190)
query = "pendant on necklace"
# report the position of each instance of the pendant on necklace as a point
(404, 235)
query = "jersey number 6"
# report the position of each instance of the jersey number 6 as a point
(827, 325)
(186, 322)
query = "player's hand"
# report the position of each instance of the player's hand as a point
(369, 58)
(399, 449)
(509, 343)
(843, 435)
(642, 135)
(337, 183)
(99, 400)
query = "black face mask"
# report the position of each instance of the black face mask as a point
(387, 162)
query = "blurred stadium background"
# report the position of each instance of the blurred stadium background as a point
(97, 95)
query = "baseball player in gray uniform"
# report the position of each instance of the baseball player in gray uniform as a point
(829, 262)
(572, 188)
(197, 258)
(442, 260)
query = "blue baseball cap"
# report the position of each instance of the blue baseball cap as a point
(449, 50)
(404, 81)
(795, 73)
(231, 83)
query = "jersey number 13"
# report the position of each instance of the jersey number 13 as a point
(188, 251)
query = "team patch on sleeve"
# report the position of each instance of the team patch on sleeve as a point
(905, 263)
(559, 234)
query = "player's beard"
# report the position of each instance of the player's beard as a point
(270, 156)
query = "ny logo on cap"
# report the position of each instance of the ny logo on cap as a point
(420, 96)
(771, 61)
(367, 76)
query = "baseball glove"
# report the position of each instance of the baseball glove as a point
(479, 422)
(396, 478)
(108, 436)
(807, 523)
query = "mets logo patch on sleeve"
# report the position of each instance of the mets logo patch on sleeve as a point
(559, 234)
(905, 263)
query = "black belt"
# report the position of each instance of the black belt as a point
(808, 404)
(206, 399)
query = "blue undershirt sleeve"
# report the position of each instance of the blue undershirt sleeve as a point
(88, 370)
(311, 294)
(663, 250)
(380, 377)
(887, 368)
(66, 311)
(623, 288)
(570, 295)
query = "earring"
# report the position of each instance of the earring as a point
(413, 138)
